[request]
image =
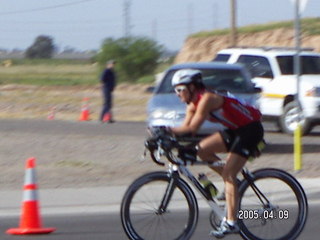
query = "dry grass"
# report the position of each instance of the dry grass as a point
(17, 101)
(46, 74)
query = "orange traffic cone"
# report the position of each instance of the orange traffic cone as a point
(106, 117)
(52, 114)
(30, 221)
(84, 116)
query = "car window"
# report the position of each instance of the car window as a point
(225, 80)
(257, 66)
(309, 64)
(231, 80)
(222, 57)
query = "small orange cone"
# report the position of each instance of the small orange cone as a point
(85, 113)
(30, 221)
(106, 117)
(52, 114)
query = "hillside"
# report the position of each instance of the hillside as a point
(204, 46)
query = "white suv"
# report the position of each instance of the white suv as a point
(272, 70)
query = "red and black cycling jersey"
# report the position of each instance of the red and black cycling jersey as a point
(234, 114)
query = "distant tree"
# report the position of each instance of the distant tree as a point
(135, 56)
(43, 47)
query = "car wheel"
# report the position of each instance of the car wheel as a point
(288, 120)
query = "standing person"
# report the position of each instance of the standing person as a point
(108, 81)
(240, 140)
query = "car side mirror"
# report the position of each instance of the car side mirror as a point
(257, 90)
(150, 89)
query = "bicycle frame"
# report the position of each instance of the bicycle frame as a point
(174, 171)
(179, 165)
(181, 168)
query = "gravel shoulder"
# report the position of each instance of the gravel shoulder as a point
(72, 154)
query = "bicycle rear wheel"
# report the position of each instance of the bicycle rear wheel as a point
(143, 218)
(275, 209)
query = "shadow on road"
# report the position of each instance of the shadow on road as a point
(277, 148)
(312, 134)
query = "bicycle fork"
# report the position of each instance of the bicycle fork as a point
(168, 193)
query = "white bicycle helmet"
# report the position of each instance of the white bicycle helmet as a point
(186, 76)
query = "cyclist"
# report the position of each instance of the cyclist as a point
(243, 133)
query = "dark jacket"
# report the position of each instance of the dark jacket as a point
(108, 79)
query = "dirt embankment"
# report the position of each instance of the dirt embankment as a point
(204, 49)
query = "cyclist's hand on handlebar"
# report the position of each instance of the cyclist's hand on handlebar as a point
(161, 136)
(160, 131)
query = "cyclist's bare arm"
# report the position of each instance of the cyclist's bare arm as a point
(189, 115)
(195, 116)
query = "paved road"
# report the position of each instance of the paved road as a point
(69, 127)
(107, 226)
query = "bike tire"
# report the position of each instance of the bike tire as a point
(140, 218)
(284, 218)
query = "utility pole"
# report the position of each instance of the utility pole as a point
(233, 31)
(297, 28)
(126, 16)
(299, 6)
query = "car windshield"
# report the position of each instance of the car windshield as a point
(231, 80)
(309, 64)
(222, 58)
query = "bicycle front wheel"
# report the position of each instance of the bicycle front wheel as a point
(274, 206)
(156, 207)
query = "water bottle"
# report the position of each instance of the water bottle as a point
(208, 185)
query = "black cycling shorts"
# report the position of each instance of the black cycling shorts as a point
(244, 140)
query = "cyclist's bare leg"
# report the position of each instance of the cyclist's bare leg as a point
(208, 147)
(234, 163)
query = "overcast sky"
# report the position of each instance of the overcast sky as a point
(83, 24)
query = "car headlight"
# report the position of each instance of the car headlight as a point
(163, 114)
(313, 92)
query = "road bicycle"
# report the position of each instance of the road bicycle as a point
(162, 205)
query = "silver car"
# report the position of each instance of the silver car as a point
(166, 109)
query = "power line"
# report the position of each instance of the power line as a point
(99, 20)
(45, 8)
